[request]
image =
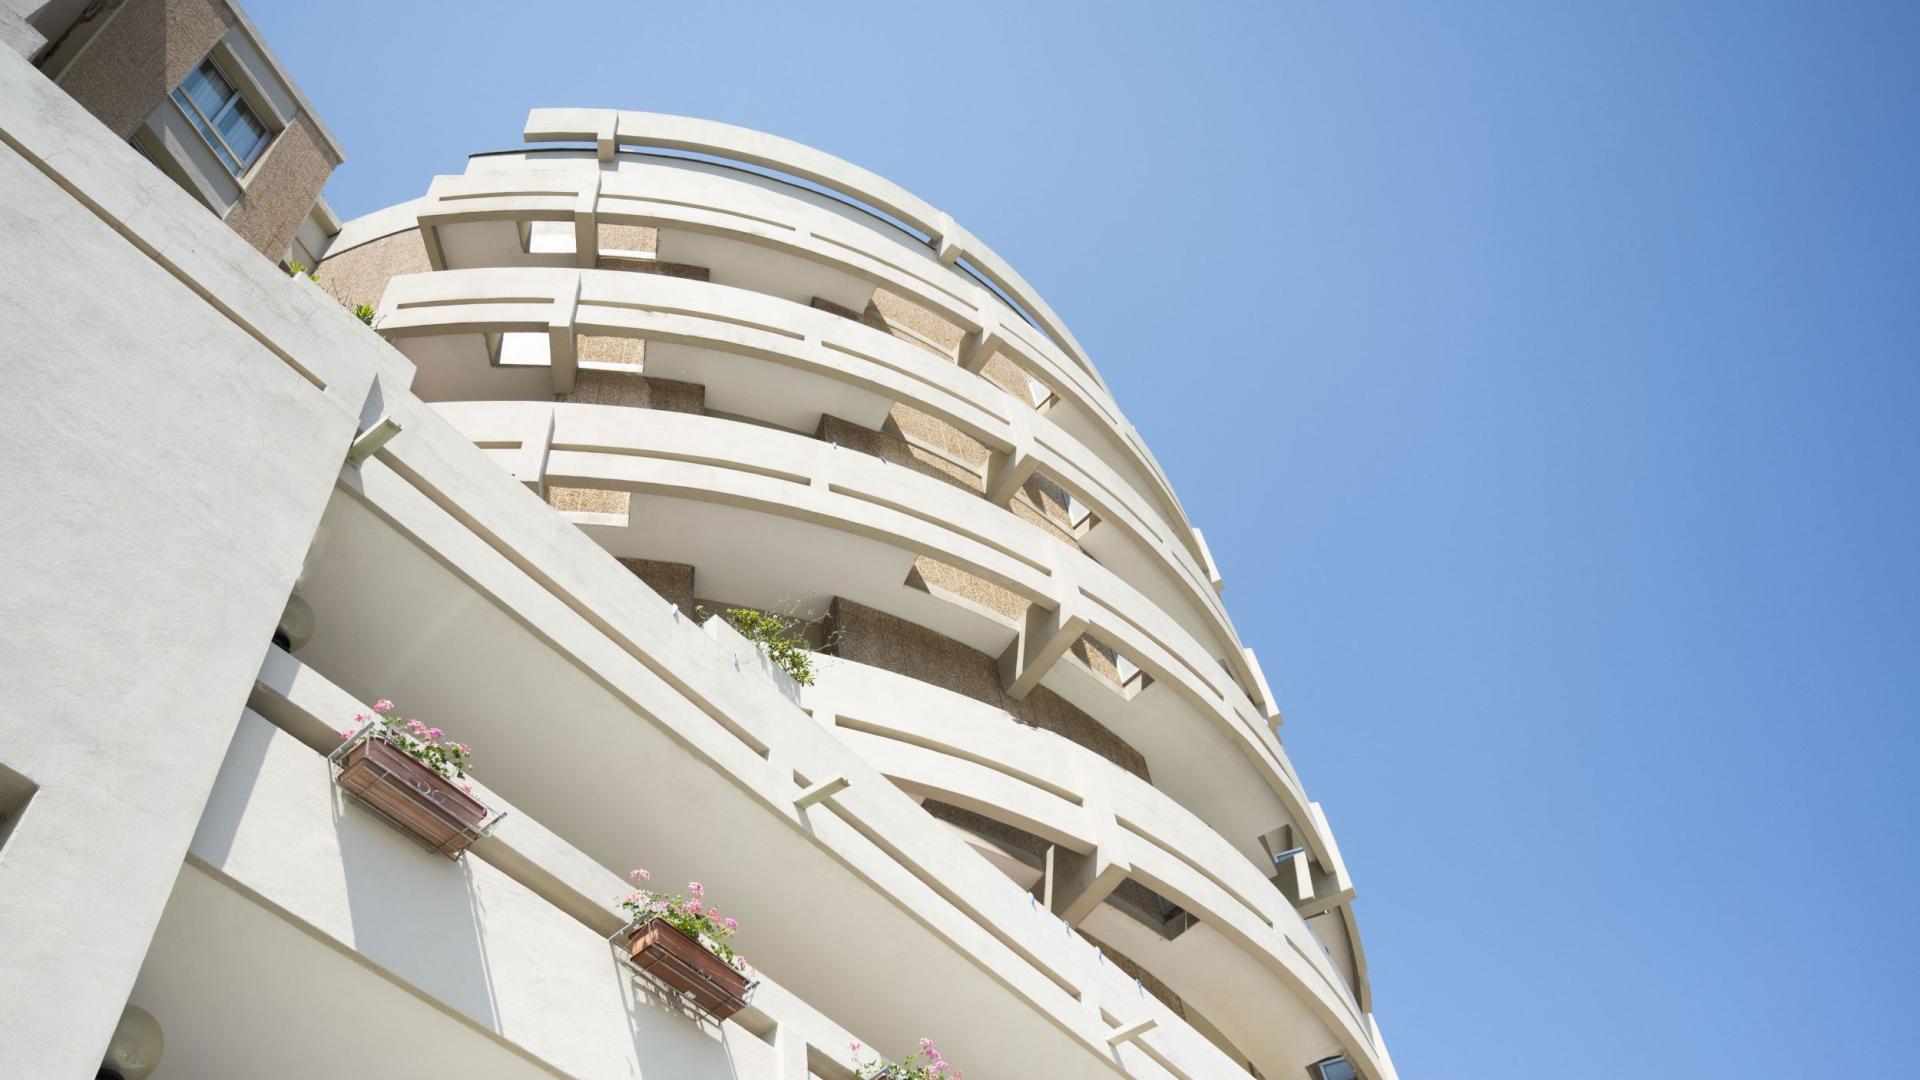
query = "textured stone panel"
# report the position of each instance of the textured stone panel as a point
(673, 581)
(654, 266)
(588, 500)
(1007, 836)
(1024, 510)
(940, 578)
(628, 237)
(140, 55)
(359, 275)
(910, 322)
(867, 636)
(1008, 376)
(612, 350)
(896, 450)
(636, 391)
(282, 188)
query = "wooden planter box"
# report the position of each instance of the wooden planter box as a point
(412, 796)
(684, 964)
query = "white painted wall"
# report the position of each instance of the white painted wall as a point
(164, 470)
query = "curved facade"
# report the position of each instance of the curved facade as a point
(1029, 801)
(763, 377)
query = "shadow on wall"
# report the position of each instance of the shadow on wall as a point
(670, 1036)
(412, 910)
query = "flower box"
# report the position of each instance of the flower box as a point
(685, 965)
(411, 795)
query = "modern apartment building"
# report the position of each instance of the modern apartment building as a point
(749, 518)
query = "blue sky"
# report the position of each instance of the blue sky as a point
(1546, 381)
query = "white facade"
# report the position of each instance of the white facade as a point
(874, 437)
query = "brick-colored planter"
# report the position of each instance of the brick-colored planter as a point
(414, 797)
(684, 964)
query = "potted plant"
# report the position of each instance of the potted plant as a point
(925, 1064)
(412, 775)
(682, 941)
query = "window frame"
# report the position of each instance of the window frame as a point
(209, 126)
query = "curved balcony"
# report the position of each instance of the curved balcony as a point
(616, 725)
(775, 361)
(466, 221)
(771, 517)
(941, 745)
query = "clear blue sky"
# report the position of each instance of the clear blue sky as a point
(1547, 383)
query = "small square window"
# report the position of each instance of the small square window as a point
(1334, 1068)
(221, 114)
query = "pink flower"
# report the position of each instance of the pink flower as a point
(416, 727)
(732, 926)
(853, 1047)
(635, 897)
(468, 788)
(926, 1045)
(941, 1066)
(464, 748)
(434, 733)
(347, 733)
(639, 875)
(932, 1054)
(383, 705)
(696, 888)
(693, 907)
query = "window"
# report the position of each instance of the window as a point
(224, 118)
(1334, 1068)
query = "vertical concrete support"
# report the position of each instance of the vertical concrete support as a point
(562, 348)
(945, 240)
(1331, 885)
(151, 581)
(1043, 640)
(1206, 563)
(979, 346)
(1008, 471)
(1262, 694)
(586, 225)
(790, 1053)
(606, 139)
(1292, 871)
(1076, 884)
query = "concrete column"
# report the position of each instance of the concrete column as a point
(1077, 884)
(979, 346)
(790, 1053)
(562, 346)
(586, 225)
(1044, 639)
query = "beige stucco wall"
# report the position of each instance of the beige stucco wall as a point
(867, 636)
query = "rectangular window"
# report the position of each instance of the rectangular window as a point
(222, 116)
(1334, 1068)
